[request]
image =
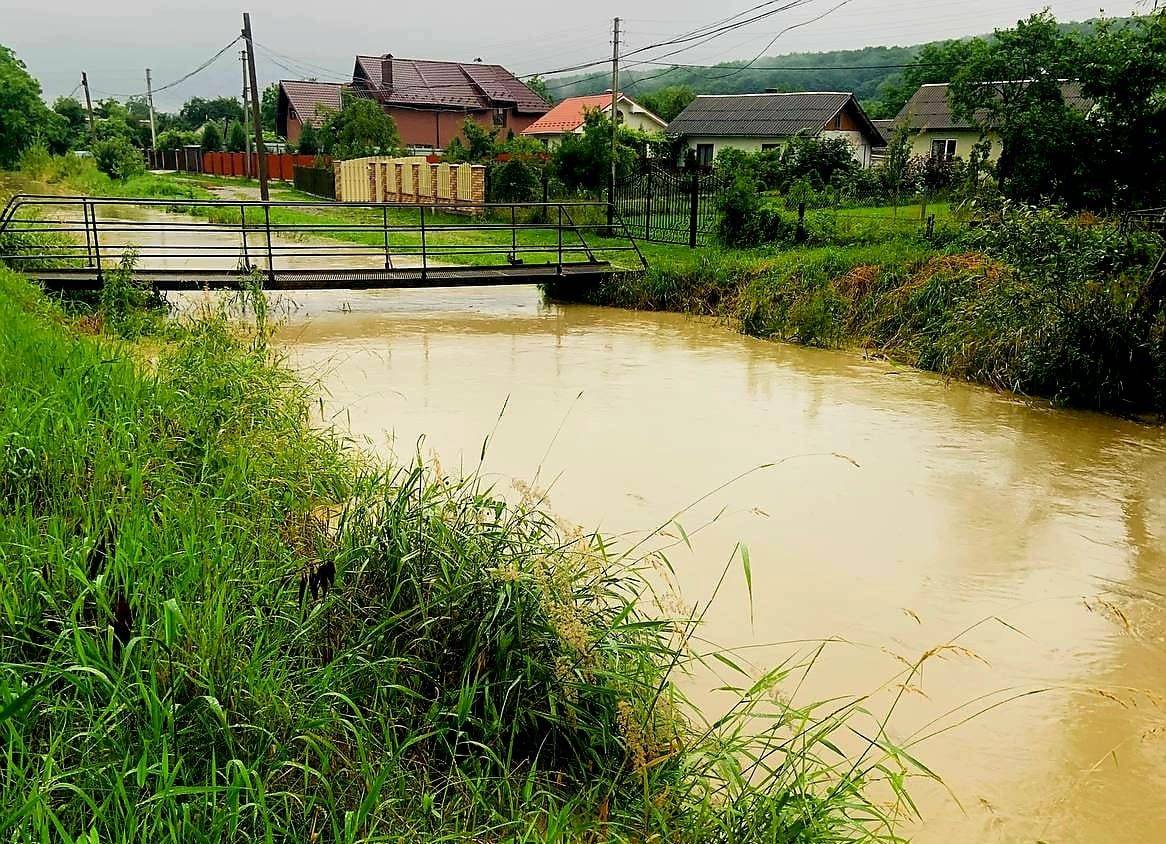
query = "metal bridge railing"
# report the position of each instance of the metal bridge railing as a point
(85, 236)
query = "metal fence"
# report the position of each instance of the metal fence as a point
(671, 206)
(318, 181)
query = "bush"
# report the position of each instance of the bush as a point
(516, 180)
(212, 138)
(118, 158)
(746, 221)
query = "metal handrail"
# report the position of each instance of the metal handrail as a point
(227, 238)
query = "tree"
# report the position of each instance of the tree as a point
(76, 123)
(936, 62)
(360, 128)
(309, 140)
(236, 138)
(539, 86)
(666, 103)
(24, 118)
(268, 104)
(1124, 74)
(118, 158)
(583, 161)
(175, 139)
(212, 138)
(475, 146)
(196, 111)
(1013, 88)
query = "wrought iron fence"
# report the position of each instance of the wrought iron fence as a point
(318, 181)
(670, 206)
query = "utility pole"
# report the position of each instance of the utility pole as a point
(88, 102)
(255, 118)
(247, 138)
(614, 119)
(150, 102)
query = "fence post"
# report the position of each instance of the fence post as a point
(693, 208)
(424, 254)
(800, 233)
(930, 226)
(388, 259)
(648, 205)
(270, 257)
(243, 234)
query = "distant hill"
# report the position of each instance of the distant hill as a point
(861, 71)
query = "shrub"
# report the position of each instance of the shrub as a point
(746, 221)
(516, 180)
(118, 158)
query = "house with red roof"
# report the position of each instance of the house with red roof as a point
(429, 100)
(568, 116)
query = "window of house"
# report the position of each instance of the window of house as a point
(704, 154)
(499, 117)
(836, 123)
(943, 148)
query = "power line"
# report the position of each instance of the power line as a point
(183, 78)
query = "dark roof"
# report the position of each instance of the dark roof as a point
(307, 98)
(420, 82)
(758, 115)
(929, 108)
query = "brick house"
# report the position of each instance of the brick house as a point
(428, 100)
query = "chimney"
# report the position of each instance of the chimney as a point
(387, 71)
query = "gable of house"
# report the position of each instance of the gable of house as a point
(569, 115)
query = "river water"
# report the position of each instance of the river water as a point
(902, 510)
(882, 507)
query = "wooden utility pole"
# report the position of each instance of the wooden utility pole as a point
(255, 117)
(88, 102)
(247, 144)
(153, 121)
(614, 119)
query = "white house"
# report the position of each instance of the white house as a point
(568, 117)
(755, 122)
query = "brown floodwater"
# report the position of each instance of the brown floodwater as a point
(881, 506)
(903, 509)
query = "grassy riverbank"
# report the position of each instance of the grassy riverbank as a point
(1027, 302)
(220, 623)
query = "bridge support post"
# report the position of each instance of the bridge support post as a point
(559, 269)
(243, 234)
(267, 227)
(424, 248)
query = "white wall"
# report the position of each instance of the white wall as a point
(858, 143)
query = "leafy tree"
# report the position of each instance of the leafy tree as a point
(24, 118)
(76, 121)
(360, 128)
(1013, 88)
(475, 145)
(268, 104)
(175, 139)
(666, 103)
(539, 86)
(212, 138)
(583, 161)
(309, 140)
(1124, 73)
(937, 62)
(236, 138)
(196, 111)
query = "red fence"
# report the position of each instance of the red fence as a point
(236, 164)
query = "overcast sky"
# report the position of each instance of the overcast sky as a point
(115, 40)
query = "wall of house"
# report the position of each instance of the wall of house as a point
(859, 144)
(294, 127)
(964, 141)
(434, 128)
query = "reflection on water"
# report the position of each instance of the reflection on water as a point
(911, 510)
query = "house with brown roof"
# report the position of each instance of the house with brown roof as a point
(937, 133)
(568, 117)
(428, 100)
(757, 122)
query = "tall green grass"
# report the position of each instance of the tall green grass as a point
(220, 623)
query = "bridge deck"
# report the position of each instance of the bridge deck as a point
(81, 278)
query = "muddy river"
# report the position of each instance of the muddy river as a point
(901, 511)
(882, 507)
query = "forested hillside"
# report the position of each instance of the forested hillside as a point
(879, 76)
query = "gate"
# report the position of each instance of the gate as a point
(670, 206)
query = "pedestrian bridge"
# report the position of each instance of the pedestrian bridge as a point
(74, 242)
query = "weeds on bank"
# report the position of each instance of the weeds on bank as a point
(219, 623)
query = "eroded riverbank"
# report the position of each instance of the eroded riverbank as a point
(949, 505)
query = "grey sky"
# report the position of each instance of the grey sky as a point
(114, 40)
